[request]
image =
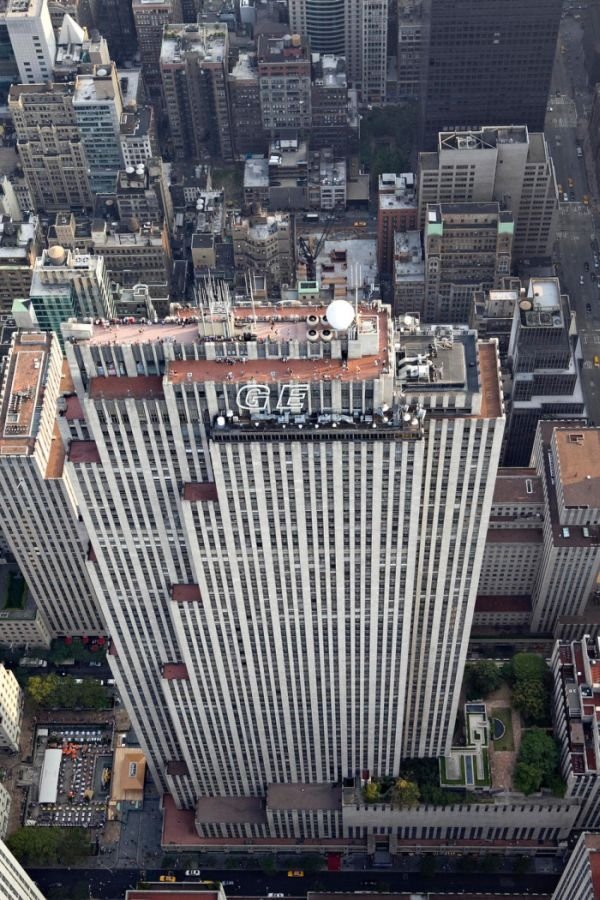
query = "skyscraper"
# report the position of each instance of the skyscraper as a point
(484, 63)
(544, 367)
(356, 29)
(283, 548)
(468, 247)
(505, 164)
(193, 67)
(50, 147)
(39, 517)
(32, 38)
(150, 17)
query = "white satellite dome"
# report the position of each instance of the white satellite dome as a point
(340, 315)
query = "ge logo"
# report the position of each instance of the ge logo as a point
(254, 397)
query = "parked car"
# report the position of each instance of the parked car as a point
(96, 665)
(194, 873)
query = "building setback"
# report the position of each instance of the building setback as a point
(288, 504)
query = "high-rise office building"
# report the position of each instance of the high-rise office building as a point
(67, 285)
(544, 367)
(50, 148)
(396, 211)
(284, 76)
(98, 108)
(566, 457)
(356, 29)
(16, 883)
(193, 66)
(40, 521)
(150, 17)
(32, 38)
(507, 165)
(483, 63)
(114, 20)
(580, 879)
(468, 247)
(304, 503)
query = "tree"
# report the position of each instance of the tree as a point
(539, 749)
(532, 700)
(528, 667)
(41, 688)
(537, 763)
(481, 678)
(405, 793)
(527, 778)
(371, 792)
(46, 846)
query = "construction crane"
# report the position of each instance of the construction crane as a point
(310, 254)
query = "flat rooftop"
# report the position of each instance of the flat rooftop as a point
(578, 457)
(22, 393)
(306, 797)
(208, 41)
(518, 486)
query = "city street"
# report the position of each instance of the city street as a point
(107, 885)
(568, 107)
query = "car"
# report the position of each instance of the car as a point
(360, 224)
(586, 266)
(193, 873)
(572, 195)
(581, 279)
(588, 307)
(586, 199)
(565, 198)
(295, 873)
(169, 878)
(596, 361)
(571, 182)
(96, 665)
(593, 276)
(227, 883)
(560, 189)
(275, 895)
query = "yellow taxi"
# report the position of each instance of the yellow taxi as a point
(169, 878)
(586, 199)
(597, 361)
(295, 873)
